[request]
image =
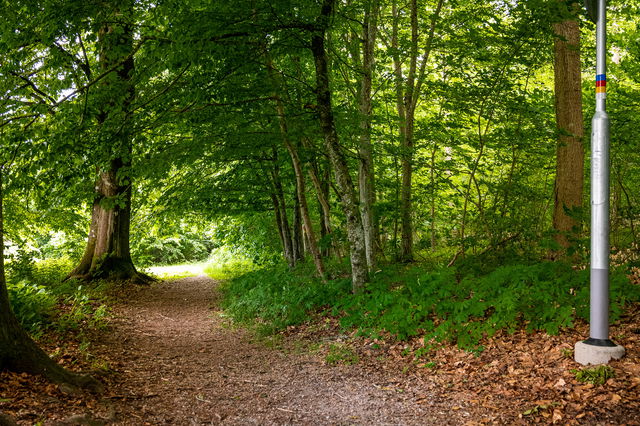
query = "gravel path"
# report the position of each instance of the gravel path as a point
(179, 363)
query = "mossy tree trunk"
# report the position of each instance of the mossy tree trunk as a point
(107, 254)
(344, 182)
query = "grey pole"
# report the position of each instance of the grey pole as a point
(599, 314)
(598, 349)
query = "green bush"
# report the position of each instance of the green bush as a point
(51, 272)
(41, 299)
(277, 297)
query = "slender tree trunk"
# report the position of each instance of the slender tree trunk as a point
(407, 142)
(107, 253)
(321, 187)
(569, 121)
(432, 181)
(366, 172)
(18, 352)
(278, 218)
(407, 96)
(298, 237)
(301, 191)
(287, 239)
(402, 126)
(355, 232)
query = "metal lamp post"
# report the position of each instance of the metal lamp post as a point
(598, 348)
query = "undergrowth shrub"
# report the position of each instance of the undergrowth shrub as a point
(278, 296)
(40, 298)
(441, 305)
(32, 305)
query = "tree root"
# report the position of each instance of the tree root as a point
(21, 354)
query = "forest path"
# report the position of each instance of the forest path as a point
(179, 363)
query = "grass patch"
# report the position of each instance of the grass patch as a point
(341, 354)
(224, 264)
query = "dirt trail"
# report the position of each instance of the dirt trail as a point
(179, 364)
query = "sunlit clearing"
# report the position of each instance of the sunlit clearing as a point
(173, 271)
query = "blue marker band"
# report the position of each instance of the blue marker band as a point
(601, 77)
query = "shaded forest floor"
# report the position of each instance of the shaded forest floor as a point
(170, 357)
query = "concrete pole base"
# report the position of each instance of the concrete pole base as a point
(585, 353)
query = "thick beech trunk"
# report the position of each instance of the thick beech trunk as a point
(366, 173)
(107, 254)
(18, 352)
(569, 121)
(345, 186)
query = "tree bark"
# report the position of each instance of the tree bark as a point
(346, 189)
(18, 352)
(366, 172)
(569, 121)
(107, 254)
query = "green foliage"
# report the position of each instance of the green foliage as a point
(594, 375)
(184, 247)
(277, 297)
(445, 307)
(249, 237)
(40, 298)
(440, 305)
(32, 304)
(82, 311)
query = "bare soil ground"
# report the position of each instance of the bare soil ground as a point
(170, 357)
(175, 360)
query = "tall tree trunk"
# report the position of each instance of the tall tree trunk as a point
(407, 96)
(18, 352)
(107, 253)
(402, 127)
(569, 121)
(407, 141)
(355, 232)
(366, 172)
(301, 191)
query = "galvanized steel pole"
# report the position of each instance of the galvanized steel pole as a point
(598, 349)
(599, 316)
